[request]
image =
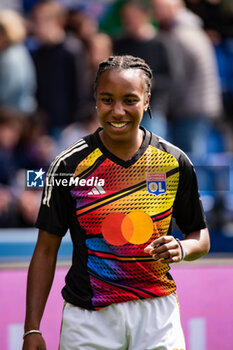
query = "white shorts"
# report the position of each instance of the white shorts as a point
(149, 324)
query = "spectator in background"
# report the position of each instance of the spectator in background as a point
(7, 212)
(11, 128)
(224, 53)
(139, 38)
(227, 13)
(60, 67)
(77, 130)
(219, 26)
(27, 207)
(209, 11)
(196, 100)
(23, 145)
(80, 24)
(17, 74)
(217, 15)
(99, 48)
(36, 148)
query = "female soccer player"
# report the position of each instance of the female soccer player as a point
(126, 186)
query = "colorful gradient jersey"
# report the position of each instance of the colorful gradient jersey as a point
(114, 209)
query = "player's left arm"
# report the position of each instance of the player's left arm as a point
(195, 245)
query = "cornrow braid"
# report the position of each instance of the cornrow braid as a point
(125, 62)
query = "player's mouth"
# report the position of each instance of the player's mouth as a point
(120, 125)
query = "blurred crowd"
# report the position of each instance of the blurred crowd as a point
(49, 55)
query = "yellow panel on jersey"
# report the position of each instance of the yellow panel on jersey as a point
(87, 163)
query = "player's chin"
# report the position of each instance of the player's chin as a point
(121, 135)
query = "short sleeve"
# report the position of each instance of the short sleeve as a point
(188, 210)
(55, 206)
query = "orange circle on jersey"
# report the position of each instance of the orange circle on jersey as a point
(142, 227)
(135, 227)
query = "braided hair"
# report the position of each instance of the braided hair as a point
(126, 62)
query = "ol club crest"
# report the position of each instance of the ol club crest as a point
(156, 183)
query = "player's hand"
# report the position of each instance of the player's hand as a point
(165, 248)
(34, 341)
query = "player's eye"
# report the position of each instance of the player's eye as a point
(107, 100)
(130, 101)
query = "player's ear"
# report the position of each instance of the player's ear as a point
(147, 100)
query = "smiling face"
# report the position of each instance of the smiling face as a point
(121, 98)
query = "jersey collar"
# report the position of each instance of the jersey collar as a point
(119, 161)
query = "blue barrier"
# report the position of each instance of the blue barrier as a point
(19, 244)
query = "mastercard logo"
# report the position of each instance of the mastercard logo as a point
(136, 227)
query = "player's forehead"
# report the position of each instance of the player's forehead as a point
(125, 80)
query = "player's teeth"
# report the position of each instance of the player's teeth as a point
(118, 125)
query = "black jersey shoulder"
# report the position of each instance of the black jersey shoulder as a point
(74, 154)
(163, 145)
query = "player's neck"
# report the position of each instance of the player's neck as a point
(123, 149)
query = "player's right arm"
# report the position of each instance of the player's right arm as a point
(40, 277)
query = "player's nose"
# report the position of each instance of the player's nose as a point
(118, 109)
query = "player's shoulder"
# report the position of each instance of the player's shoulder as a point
(75, 153)
(166, 146)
